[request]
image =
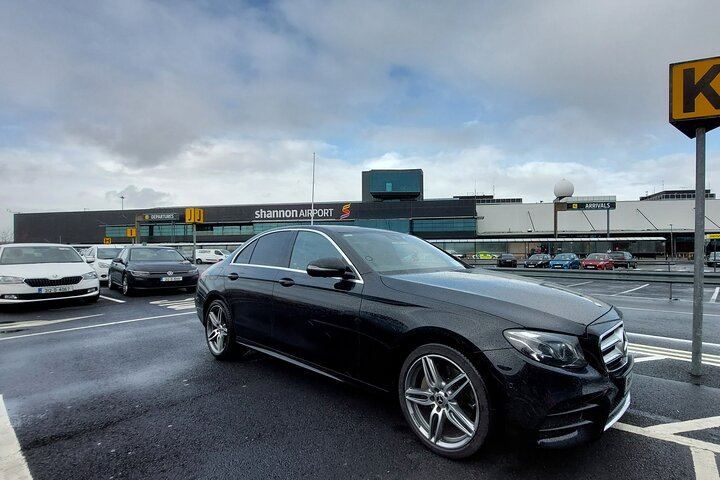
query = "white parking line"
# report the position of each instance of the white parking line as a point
(670, 339)
(650, 358)
(578, 284)
(40, 323)
(112, 299)
(12, 462)
(664, 311)
(631, 290)
(715, 295)
(95, 326)
(707, 359)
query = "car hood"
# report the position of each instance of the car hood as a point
(161, 267)
(528, 303)
(561, 261)
(595, 262)
(45, 270)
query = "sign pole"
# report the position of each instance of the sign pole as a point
(699, 252)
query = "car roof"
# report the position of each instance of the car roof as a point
(35, 245)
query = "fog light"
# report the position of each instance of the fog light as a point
(10, 297)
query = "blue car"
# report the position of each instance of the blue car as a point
(565, 260)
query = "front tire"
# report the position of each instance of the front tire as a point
(220, 332)
(126, 288)
(444, 400)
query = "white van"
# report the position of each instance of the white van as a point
(210, 255)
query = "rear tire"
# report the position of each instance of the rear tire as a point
(220, 332)
(125, 287)
(198, 262)
(444, 400)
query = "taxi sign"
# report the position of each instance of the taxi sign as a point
(131, 232)
(107, 240)
(695, 95)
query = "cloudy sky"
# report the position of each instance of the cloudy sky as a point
(177, 103)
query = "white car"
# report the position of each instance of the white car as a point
(210, 255)
(100, 256)
(36, 272)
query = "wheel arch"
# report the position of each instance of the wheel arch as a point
(427, 335)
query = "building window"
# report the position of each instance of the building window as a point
(445, 225)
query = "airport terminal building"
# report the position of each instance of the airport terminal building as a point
(655, 225)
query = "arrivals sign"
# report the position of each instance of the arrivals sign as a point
(591, 206)
(695, 95)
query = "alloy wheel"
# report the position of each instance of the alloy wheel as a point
(216, 329)
(441, 402)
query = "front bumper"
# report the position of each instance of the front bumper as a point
(154, 282)
(22, 293)
(560, 407)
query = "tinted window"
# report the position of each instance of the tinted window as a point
(389, 251)
(155, 255)
(311, 246)
(272, 249)
(246, 253)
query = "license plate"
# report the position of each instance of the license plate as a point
(171, 279)
(590, 267)
(54, 289)
(531, 266)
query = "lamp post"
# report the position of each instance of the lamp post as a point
(672, 246)
(122, 202)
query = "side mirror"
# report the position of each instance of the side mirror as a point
(90, 259)
(118, 260)
(329, 267)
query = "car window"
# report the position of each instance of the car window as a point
(390, 251)
(39, 254)
(310, 246)
(245, 254)
(272, 249)
(155, 255)
(107, 253)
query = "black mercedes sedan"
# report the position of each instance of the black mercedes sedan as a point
(151, 267)
(465, 350)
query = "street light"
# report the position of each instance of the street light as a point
(122, 202)
(672, 246)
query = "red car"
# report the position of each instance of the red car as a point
(597, 261)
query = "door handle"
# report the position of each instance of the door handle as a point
(233, 276)
(286, 282)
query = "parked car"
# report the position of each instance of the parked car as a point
(455, 253)
(538, 260)
(713, 260)
(210, 255)
(565, 260)
(99, 257)
(151, 267)
(507, 260)
(486, 256)
(462, 348)
(36, 272)
(623, 259)
(597, 261)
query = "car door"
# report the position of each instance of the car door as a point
(315, 318)
(249, 282)
(116, 270)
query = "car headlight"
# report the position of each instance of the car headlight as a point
(193, 271)
(7, 280)
(139, 273)
(103, 265)
(89, 275)
(549, 348)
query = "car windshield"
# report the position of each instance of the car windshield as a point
(618, 255)
(507, 255)
(596, 256)
(108, 253)
(396, 252)
(39, 254)
(538, 256)
(564, 256)
(155, 255)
